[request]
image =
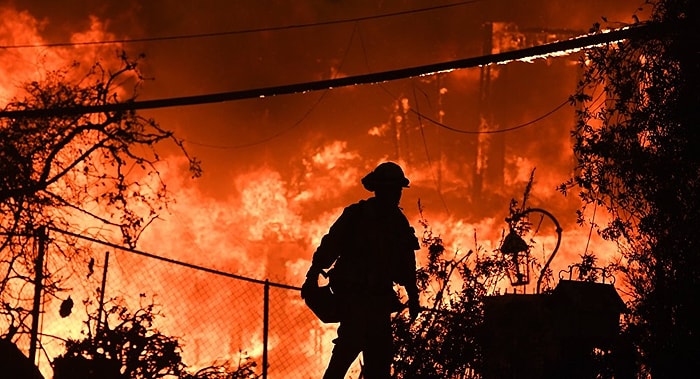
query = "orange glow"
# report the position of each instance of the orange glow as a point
(259, 211)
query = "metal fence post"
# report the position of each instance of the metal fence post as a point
(266, 325)
(38, 287)
(100, 310)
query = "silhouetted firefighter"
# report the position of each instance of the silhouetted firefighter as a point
(369, 248)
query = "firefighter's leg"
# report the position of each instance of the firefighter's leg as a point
(377, 350)
(347, 348)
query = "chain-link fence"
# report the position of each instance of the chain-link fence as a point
(217, 317)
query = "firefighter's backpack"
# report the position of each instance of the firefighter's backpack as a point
(322, 302)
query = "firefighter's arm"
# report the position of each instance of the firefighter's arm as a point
(410, 271)
(332, 244)
(413, 293)
(323, 257)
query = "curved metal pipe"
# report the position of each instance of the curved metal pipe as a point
(558, 230)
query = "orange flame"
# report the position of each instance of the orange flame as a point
(269, 223)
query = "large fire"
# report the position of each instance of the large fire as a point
(260, 210)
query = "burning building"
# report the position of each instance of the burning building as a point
(278, 170)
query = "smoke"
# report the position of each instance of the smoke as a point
(282, 168)
(279, 170)
(19, 65)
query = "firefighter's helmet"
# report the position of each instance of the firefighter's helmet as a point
(386, 173)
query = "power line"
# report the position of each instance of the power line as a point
(440, 124)
(520, 126)
(574, 44)
(293, 125)
(427, 155)
(421, 116)
(243, 31)
(173, 261)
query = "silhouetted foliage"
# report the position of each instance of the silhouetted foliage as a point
(635, 140)
(13, 360)
(126, 345)
(93, 171)
(443, 340)
(129, 349)
(447, 339)
(245, 369)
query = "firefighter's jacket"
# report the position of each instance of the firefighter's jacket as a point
(370, 247)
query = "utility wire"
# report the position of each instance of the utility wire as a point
(293, 125)
(509, 129)
(373, 78)
(243, 31)
(420, 123)
(427, 155)
(173, 261)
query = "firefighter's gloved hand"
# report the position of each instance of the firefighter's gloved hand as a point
(413, 308)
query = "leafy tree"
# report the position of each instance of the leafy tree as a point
(637, 160)
(93, 174)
